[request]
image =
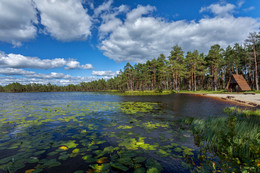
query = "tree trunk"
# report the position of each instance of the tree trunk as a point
(176, 82)
(195, 82)
(256, 74)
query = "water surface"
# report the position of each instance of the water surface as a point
(88, 131)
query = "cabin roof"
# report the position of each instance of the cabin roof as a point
(241, 82)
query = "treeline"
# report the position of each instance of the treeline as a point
(193, 71)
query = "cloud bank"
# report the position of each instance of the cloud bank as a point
(140, 36)
(17, 21)
(64, 20)
(20, 61)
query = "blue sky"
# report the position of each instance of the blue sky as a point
(73, 41)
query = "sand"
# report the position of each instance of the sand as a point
(245, 99)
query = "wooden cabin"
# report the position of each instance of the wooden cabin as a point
(237, 83)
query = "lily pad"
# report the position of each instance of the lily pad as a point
(153, 170)
(151, 163)
(71, 144)
(33, 160)
(63, 147)
(29, 170)
(63, 156)
(51, 163)
(139, 159)
(119, 166)
(89, 158)
(178, 149)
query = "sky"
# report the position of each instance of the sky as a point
(72, 41)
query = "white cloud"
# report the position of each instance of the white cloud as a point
(52, 75)
(109, 20)
(140, 38)
(249, 9)
(139, 12)
(87, 66)
(14, 71)
(64, 20)
(73, 64)
(76, 80)
(103, 73)
(31, 74)
(17, 21)
(33, 77)
(20, 61)
(103, 7)
(220, 10)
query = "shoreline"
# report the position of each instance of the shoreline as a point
(240, 99)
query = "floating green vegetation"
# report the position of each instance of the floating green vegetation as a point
(150, 125)
(235, 140)
(137, 107)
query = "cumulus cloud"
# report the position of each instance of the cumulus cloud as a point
(32, 74)
(108, 15)
(64, 20)
(76, 80)
(17, 21)
(87, 66)
(220, 10)
(33, 77)
(14, 71)
(103, 73)
(20, 61)
(103, 7)
(141, 37)
(73, 64)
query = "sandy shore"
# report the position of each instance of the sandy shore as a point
(248, 99)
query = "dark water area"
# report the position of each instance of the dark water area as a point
(99, 132)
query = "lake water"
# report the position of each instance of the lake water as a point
(99, 132)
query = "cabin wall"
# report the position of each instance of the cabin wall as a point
(234, 87)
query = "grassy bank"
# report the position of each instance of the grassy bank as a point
(229, 144)
(203, 92)
(140, 93)
(166, 92)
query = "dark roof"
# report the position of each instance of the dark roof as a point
(241, 82)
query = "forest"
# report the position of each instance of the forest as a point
(192, 71)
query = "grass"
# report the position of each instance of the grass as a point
(141, 93)
(166, 92)
(234, 139)
(203, 92)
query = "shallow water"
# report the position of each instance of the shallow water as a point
(87, 131)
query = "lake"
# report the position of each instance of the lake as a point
(100, 132)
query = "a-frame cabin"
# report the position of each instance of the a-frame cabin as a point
(237, 83)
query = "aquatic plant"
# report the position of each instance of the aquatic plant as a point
(235, 140)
